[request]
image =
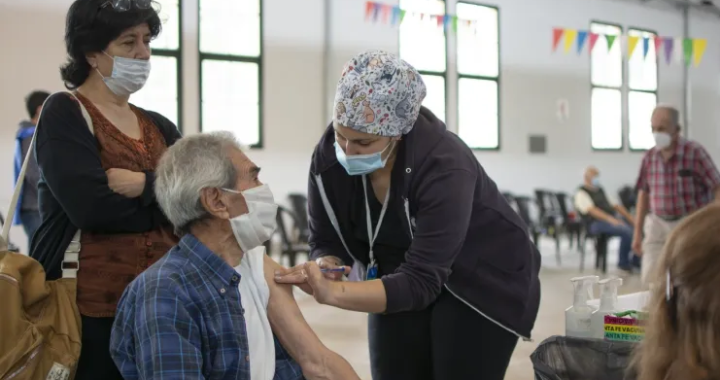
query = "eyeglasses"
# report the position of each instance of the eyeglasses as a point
(124, 5)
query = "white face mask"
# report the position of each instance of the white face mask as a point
(662, 140)
(128, 75)
(256, 227)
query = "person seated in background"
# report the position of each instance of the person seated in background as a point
(605, 217)
(27, 212)
(682, 333)
(209, 309)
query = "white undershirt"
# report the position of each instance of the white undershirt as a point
(254, 295)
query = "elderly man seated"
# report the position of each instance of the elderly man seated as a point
(209, 309)
(605, 217)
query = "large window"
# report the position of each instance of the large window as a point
(163, 92)
(478, 65)
(230, 68)
(606, 79)
(642, 89)
(423, 45)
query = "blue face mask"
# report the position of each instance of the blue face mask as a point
(360, 164)
(596, 181)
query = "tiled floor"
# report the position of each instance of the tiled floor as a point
(346, 332)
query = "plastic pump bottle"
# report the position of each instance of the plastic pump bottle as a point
(577, 316)
(608, 305)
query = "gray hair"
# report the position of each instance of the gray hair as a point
(672, 112)
(193, 163)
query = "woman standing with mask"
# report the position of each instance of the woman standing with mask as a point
(450, 272)
(101, 181)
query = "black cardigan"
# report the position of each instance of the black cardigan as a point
(73, 191)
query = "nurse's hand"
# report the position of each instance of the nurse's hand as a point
(311, 279)
(332, 264)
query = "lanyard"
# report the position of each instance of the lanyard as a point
(371, 236)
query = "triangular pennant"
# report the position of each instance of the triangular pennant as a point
(593, 40)
(610, 40)
(446, 21)
(557, 36)
(632, 44)
(688, 50)
(454, 23)
(646, 46)
(581, 38)
(402, 16)
(395, 15)
(439, 20)
(699, 46)
(570, 35)
(658, 45)
(385, 9)
(376, 11)
(679, 54)
(369, 7)
(669, 44)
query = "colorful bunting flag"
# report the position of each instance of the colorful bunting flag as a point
(593, 40)
(394, 15)
(581, 37)
(685, 51)
(699, 46)
(570, 35)
(669, 44)
(610, 40)
(557, 36)
(632, 44)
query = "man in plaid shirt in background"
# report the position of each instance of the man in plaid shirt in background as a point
(677, 177)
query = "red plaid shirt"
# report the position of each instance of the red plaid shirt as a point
(680, 185)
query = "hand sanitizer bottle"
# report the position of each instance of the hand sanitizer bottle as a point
(577, 316)
(608, 305)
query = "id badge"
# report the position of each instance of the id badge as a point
(372, 271)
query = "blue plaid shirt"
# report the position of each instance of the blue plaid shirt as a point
(183, 319)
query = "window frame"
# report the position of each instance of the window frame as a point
(442, 74)
(630, 89)
(623, 82)
(236, 58)
(481, 77)
(177, 54)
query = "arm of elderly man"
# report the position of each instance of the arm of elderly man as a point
(297, 337)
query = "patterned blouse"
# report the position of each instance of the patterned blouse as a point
(109, 262)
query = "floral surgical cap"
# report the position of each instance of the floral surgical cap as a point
(380, 94)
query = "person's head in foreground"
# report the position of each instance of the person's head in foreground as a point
(682, 335)
(377, 101)
(209, 188)
(109, 41)
(665, 121)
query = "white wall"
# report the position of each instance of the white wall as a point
(532, 80)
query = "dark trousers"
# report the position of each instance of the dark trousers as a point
(95, 361)
(625, 233)
(446, 341)
(30, 220)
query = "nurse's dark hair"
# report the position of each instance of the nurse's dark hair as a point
(90, 27)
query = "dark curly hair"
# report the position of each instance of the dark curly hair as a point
(90, 27)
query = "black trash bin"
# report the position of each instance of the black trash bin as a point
(567, 358)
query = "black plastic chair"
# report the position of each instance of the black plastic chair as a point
(550, 218)
(601, 248)
(572, 225)
(628, 197)
(299, 205)
(525, 210)
(290, 247)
